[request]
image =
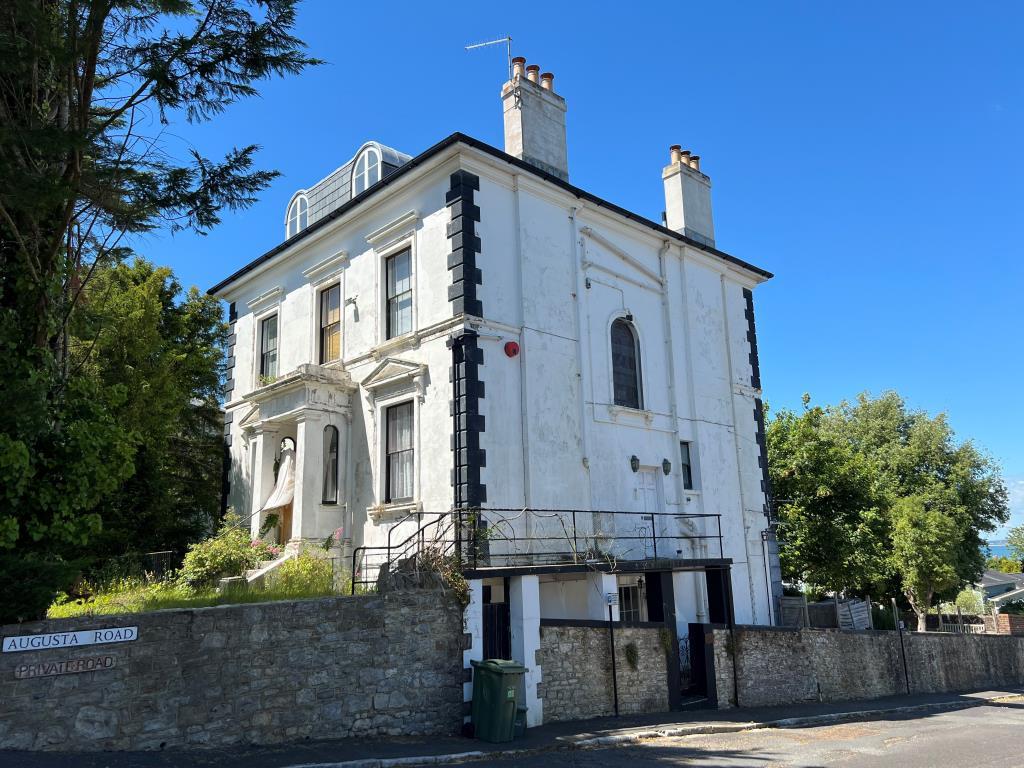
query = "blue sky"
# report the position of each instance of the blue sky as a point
(868, 154)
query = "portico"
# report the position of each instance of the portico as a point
(298, 436)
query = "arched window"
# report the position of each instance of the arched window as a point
(367, 170)
(330, 495)
(298, 216)
(626, 365)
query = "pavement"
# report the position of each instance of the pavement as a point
(555, 744)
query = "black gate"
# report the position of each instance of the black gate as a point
(497, 638)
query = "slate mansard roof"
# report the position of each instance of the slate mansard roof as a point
(332, 197)
(335, 189)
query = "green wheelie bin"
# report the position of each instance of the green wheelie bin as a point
(496, 684)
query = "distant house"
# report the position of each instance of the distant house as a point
(1001, 588)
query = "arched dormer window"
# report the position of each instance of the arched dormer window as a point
(626, 377)
(367, 170)
(330, 495)
(298, 216)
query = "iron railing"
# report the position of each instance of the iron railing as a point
(496, 537)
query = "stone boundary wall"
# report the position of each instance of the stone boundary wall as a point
(577, 671)
(789, 666)
(247, 674)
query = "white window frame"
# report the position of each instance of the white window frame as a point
(407, 243)
(274, 311)
(408, 392)
(297, 198)
(318, 292)
(363, 177)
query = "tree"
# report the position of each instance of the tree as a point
(925, 541)
(1003, 564)
(138, 333)
(833, 529)
(85, 90)
(1015, 541)
(838, 472)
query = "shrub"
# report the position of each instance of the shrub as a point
(228, 553)
(307, 575)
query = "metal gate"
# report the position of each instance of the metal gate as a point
(497, 637)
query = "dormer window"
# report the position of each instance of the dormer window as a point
(367, 170)
(298, 216)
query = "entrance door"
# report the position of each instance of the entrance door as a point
(284, 527)
(647, 502)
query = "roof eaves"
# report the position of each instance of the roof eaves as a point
(462, 138)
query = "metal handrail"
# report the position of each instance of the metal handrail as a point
(475, 520)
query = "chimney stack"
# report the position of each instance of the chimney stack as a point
(535, 119)
(688, 196)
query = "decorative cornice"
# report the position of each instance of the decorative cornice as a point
(401, 227)
(329, 267)
(265, 299)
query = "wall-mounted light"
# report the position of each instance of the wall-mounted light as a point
(666, 466)
(634, 463)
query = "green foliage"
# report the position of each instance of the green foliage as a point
(137, 332)
(968, 600)
(1003, 564)
(86, 90)
(925, 541)
(1015, 541)
(230, 553)
(838, 474)
(306, 574)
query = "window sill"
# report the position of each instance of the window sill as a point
(622, 411)
(393, 512)
(409, 340)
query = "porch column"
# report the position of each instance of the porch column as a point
(264, 443)
(524, 613)
(599, 585)
(309, 459)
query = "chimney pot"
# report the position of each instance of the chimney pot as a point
(674, 153)
(547, 81)
(695, 162)
(518, 64)
(531, 72)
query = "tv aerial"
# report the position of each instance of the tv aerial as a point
(507, 40)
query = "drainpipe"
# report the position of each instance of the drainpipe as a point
(671, 356)
(581, 352)
(699, 584)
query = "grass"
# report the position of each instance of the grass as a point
(302, 577)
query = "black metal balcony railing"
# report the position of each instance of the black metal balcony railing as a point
(494, 537)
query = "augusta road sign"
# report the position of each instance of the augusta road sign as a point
(43, 642)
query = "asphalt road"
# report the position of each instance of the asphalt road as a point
(978, 737)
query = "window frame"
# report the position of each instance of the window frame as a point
(301, 217)
(388, 496)
(389, 260)
(362, 177)
(261, 368)
(327, 461)
(686, 465)
(322, 328)
(626, 322)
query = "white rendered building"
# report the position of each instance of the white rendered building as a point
(465, 329)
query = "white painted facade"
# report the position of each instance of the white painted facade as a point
(558, 267)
